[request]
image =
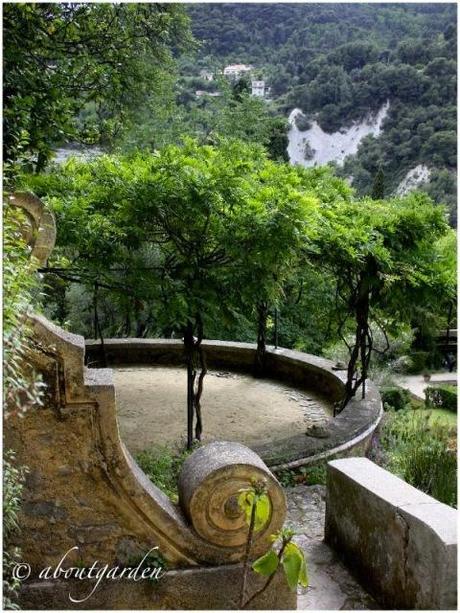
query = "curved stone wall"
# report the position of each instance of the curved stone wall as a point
(83, 487)
(347, 434)
(85, 494)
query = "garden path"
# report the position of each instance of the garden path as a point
(417, 385)
(331, 585)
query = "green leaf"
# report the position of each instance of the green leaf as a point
(245, 502)
(262, 512)
(303, 575)
(292, 564)
(267, 564)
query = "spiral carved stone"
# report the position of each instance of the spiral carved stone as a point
(41, 233)
(209, 486)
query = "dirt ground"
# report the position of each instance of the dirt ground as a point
(151, 407)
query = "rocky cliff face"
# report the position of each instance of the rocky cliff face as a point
(314, 147)
(414, 178)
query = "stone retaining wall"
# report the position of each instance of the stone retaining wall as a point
(348, 434)
(86, 504)
(400, 542)
(86, 499)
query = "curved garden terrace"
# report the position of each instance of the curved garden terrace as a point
(303, 374)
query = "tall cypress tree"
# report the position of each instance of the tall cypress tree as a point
(378, 188)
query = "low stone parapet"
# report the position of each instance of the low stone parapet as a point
(349, 433)
(399, 541)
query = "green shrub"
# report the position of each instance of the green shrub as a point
(22, 387)
(302, 123)
(305, 475)
(441, 397)
(315, 475)
(287, 478)
(162, 466)
(423, 453)
(13, 481)
(394, 398)
(418, 362)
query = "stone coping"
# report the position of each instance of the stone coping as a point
(404, 546)
(351, 428)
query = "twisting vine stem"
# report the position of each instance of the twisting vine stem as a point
(195, 357)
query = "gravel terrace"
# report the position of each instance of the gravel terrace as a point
(151, 407)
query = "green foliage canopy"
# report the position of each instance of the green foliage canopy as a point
(59, 57)
(194, 229)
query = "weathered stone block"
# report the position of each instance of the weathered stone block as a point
(209, 485)
(199, 588)
(401, 542)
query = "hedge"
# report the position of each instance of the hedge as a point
(394, 398)
(441, 397)
(418, 361)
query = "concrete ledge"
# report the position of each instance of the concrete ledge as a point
(349, 433)
(399, 541)
(203, 588)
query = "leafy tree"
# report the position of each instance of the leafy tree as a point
(443, 188)
(282, 220)
(196, 233)
(241, 87)
(239, 116)
(382, 255)
(60, 57)
(354, 55)
(378, 189)
(278, 140)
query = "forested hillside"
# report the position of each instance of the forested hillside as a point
(338, 62)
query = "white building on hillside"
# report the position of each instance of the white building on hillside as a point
(206, 75)
(236, 70)
(258, 88)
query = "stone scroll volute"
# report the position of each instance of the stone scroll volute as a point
(94, 493)
(209, 485)
(40, 230)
